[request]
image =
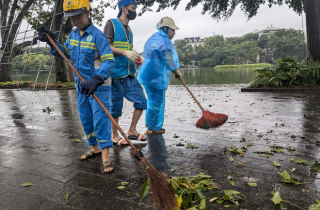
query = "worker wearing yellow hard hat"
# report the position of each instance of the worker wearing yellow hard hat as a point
(91, 55)
(160, 60)
(124, 83)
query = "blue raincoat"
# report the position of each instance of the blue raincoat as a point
(160, 58)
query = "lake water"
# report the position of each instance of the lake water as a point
(192, 76)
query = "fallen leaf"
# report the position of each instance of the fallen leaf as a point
(240, 164)
(66, 196)
(264, 155)
(276, 198)
(275, 163)
(252, 184)
(27, 184)
(213, 199)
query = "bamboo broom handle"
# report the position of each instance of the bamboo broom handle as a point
(184, 84)
(94, 95)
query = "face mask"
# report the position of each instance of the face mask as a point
(132, 15)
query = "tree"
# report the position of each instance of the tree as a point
(184, 50)
(12, 14)
(224, 9)
(287, 44)
(263, 41)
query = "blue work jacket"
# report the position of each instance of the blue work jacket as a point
(90, 54)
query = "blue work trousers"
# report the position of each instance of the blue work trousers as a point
(96, 123)
(155, 108)
(130, 89)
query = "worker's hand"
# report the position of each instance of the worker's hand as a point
(91, 85)
(132, 55)
(139, 62)
(42, 34)
(177, 74)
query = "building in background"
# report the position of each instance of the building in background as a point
(195, 41)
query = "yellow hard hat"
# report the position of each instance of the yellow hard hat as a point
(167, 21)
(75, 7)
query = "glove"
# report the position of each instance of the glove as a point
(131, 55)
(91, 85)
(177, 74)
(42, 35)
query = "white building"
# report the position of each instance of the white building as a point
(269, 30)
(195, 41)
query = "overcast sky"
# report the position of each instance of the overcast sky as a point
(192, 23)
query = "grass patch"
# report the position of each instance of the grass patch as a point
(254, 65)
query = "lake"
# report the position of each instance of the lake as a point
(192, 76)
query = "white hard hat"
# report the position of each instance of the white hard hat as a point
(167, 21)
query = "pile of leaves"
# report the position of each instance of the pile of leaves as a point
(287, 73)
(191, 192)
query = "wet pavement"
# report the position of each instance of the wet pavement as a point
(39, 147)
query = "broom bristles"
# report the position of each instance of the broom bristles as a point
(160, 190)
(211, 120)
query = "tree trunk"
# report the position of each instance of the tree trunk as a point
(312, 10)
(57, 25)
(5, 67)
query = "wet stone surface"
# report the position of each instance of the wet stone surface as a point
(38, 146)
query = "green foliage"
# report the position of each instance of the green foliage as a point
(289, 179)
(315, 165)
(218, 50)
(221, 9)
(287, 73)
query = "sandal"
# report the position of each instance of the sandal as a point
(120, 142)
(139, 137)
(90, 154)
(106, 165)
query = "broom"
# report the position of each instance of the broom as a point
(161, 191)
(208, 119)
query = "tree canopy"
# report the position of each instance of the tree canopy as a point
(222, 9)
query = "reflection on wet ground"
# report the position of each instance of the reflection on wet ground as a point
(38, 146)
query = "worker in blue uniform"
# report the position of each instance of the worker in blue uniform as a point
(91, 55)
(160, 60)
(124, 83)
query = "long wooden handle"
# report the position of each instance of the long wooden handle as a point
(94, 95)
(184, 84)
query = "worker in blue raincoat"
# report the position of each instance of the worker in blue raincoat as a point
(124, 83)
(91, 55)
(160, 60)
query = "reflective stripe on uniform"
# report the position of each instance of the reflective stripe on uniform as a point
(122, 45)
(88, 45)
(74, 42)
(107, 57)
(101, 140)
(91, 135)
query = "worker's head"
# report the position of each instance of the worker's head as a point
(78, 11)
(127, 8)
(167, 25)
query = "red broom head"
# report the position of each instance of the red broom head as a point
(160, 190)
(211, 120)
